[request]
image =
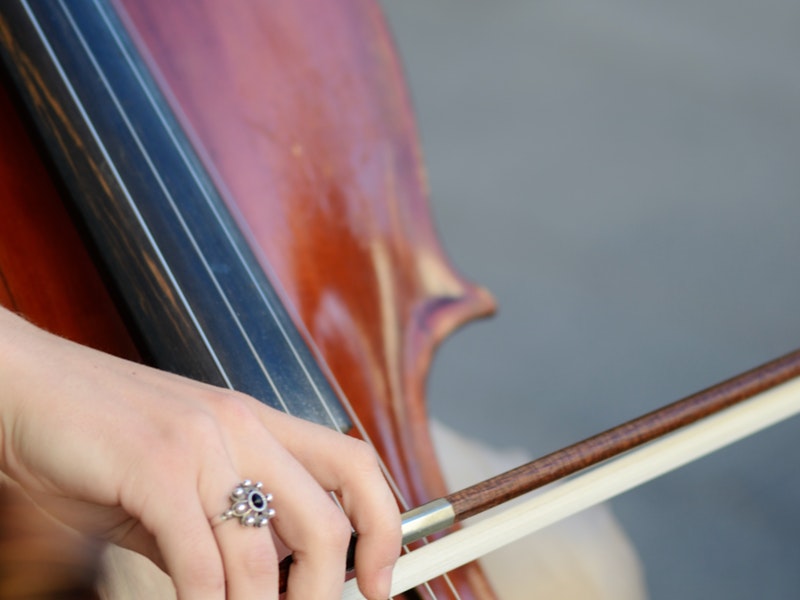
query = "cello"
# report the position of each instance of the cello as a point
(319, 186)
(299, 149)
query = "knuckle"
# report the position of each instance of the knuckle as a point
(361, 456)
(233, 406)
(334, 536)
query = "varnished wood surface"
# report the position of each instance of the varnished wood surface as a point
(46, 272)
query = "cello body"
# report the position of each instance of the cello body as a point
(299, 114)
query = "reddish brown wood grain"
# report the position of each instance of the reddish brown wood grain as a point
(46, 272)
(300, 112)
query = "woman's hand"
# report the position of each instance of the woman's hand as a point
(146, 460)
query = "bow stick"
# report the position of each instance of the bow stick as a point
(458, 506)
(647, 447)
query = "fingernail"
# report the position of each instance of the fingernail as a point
(385, 581)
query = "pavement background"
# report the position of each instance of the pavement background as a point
(624, 176)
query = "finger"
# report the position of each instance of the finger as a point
(307, 521)
(372, 510)
(351, 467)
(248, 553)
(188, 546)
(318, 534)
(250, 560)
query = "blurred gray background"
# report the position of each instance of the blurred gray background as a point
(624, 176)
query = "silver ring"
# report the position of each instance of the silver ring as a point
(250, 505)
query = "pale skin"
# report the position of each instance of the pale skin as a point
(146, 460)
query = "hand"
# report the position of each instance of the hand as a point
(146, 459)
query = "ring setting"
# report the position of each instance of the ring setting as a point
(250, 504)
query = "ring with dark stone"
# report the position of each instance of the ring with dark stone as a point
(250, 504)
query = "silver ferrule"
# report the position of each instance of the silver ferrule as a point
(427, 519)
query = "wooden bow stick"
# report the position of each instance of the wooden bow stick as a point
(646, 447)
